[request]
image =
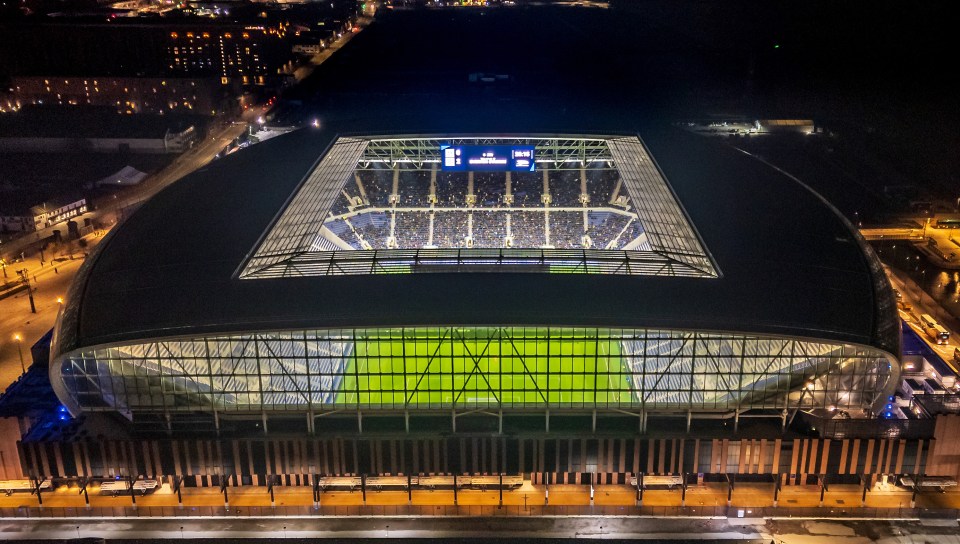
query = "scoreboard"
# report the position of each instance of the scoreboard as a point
(487, 158)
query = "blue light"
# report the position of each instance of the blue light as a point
(487, 158)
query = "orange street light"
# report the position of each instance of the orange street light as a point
(19, 340)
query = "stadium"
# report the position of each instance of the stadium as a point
(438, 281)
(527, 279)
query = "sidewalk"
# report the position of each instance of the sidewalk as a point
(709, 496)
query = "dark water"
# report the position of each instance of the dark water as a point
(940, 284)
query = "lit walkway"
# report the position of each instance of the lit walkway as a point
(529, 499)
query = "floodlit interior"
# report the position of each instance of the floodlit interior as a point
(476, 367)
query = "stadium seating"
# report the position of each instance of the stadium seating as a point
(458, 218)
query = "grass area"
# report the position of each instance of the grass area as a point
(480, 367)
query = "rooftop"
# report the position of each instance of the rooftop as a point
(88, 122)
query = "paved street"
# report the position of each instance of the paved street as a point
(50, 281)
(486, 529)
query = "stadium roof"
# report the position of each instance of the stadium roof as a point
(790, 265)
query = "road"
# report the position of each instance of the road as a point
(481, 530)
(922, 303)
(50, 281)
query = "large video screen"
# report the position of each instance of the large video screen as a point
(487, 158)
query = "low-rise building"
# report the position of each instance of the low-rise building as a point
(57, 211)
(99, 130)
(42, 215)
(15, 222)
(159, 95)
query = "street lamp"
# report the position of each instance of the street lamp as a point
(19, 340)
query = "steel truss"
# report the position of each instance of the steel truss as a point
(565, 153)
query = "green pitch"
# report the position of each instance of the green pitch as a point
(481, 367)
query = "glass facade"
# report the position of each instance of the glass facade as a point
(475, 367)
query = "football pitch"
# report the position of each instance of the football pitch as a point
(484, 367)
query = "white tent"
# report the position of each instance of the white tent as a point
(127, 175)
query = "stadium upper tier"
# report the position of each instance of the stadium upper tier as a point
(317, 272)
(413, 208)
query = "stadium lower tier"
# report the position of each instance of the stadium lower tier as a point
(491, 368)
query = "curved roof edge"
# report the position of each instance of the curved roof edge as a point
(887, 332)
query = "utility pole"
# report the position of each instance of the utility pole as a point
(25, 278)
